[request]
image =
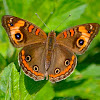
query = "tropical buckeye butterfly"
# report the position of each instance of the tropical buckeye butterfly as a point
(48, 56)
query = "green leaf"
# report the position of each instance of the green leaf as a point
(46, 93)
(93, 71)
(2, 62)
(9, 82)
(3, 49)
(2, 95)
(4, 82)
(14, 83)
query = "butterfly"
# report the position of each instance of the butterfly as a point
(49, 56)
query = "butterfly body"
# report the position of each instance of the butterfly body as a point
(49, 56)
(50, 45)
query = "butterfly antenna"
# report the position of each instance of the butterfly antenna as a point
(42, 21)
(63, 21)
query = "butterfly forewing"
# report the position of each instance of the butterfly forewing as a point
(22, 32)
(78, 38)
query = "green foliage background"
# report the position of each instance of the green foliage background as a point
(84, 83)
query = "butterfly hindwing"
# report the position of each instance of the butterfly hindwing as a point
(63, 64)
(32, 60)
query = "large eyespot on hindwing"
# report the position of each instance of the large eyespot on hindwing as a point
(82, 42)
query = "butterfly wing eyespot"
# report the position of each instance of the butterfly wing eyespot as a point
(82, 42)
(89, 31)
(28, 58)
(17, 36)
(67, 62)
(35, 68)
(11, 24)
(57, 71)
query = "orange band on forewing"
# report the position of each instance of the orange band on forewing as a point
(27, 66)
(84, 31)
(31, 27)
(65, 34)
(86, 34)
(72, 32)
(17, 25)
(37, 31)
(66, 70)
